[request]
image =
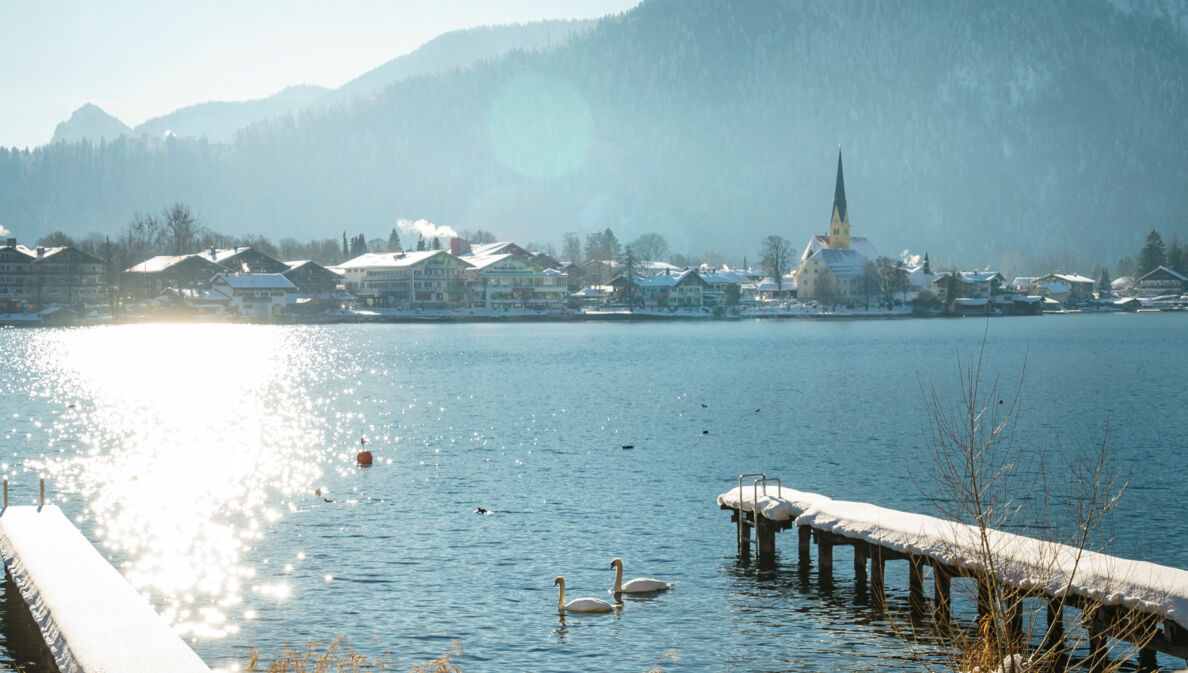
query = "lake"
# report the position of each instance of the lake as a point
(214, 464)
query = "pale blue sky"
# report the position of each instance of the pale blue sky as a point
(139, 60)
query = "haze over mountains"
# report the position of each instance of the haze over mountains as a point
(986, 133)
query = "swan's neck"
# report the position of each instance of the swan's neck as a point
(618, 578)
(561, 596)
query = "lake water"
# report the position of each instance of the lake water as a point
(193, 456)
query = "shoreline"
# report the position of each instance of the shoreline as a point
(409, 317)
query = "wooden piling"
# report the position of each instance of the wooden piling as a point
(765, 536)
(916, 585)
(824, 554)
(860, 562)
(985, 600)
(744, 535)
(1013, 617)
(942, 593)
(1097, 641)
(877, 566)
(1054, 638)
(805, 535)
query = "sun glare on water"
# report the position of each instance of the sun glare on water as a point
(189, 441)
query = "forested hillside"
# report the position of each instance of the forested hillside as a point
(986, 133)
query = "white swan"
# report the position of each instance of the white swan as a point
(579, 604)
(639, 585)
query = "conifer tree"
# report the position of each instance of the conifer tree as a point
(394, 242)
(346, 251)
(1152, 256)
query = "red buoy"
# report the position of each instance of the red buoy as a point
(363, 458)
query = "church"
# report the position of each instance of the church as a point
(832, 265)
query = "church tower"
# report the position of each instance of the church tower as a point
(839, 226)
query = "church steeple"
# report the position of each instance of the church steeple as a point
(839, 225)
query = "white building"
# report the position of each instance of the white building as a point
(254, 295)
(430, 279)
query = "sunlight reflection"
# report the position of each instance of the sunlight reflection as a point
(195, 437)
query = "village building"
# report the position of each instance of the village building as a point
(970, 284)
(515, 280)
(254, 295)
(832, 266)
(1160, 281)
(668, 290)
(425, 279)
(150, 277)
(312, 279)
(245, 260)
(716, 284)
(16, 272)
(41, 276)
(1079, 287)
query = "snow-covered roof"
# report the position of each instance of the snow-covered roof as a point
(161, 263)
(483, 261)
(497, 248)
(393, 260)
(723, 278)
(1073, 278)
(1121, 281)
(843, 263)
(1023, 281)
(654, 266)
(820, 242)
(256, 281)
(768, 284)
(1055, 288)
(666, 279)
(588, 293)
(1164, 270)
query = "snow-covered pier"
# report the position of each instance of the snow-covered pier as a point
(1128, 600)
(90, 617)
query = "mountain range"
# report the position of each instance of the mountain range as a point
(1014, 134)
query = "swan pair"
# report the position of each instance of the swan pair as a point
(638, 585)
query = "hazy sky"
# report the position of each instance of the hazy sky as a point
(139, 60)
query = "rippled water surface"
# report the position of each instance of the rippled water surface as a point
(214, 465)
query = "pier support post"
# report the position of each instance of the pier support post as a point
(744, 534)
(824, 554)
(765, 535)
(1097, 641)
(941, 593)
(805, 535)
(985, 601)
(916, 585)
(860, 562)
(1054, 638)
(1013, 606)
(877, 566)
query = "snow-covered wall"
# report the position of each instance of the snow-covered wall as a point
(90, 617)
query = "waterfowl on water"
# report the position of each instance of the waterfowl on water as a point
(639, 585)
(579, 604)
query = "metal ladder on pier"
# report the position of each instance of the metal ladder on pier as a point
(760, 479)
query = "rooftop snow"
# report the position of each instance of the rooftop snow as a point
(375, 260)
(257, 281)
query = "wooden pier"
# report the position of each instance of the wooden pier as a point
(89, 617)
(1132, 601)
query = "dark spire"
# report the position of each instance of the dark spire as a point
(839, 192)
(927, 266)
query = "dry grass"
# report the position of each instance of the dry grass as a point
(338, 657)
